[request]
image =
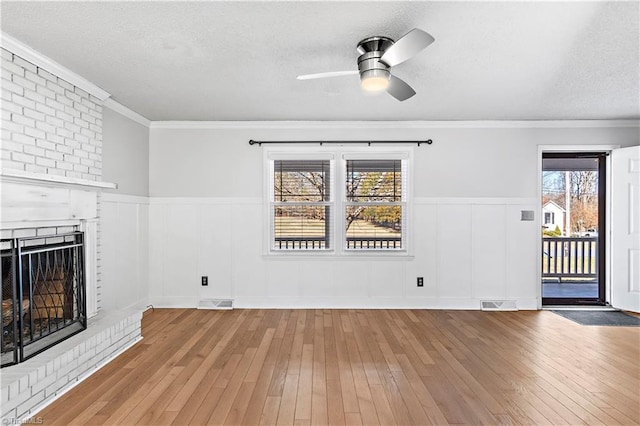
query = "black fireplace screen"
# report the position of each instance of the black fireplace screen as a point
(43, 293)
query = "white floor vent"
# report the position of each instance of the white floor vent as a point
(498, 305)
(225, 304)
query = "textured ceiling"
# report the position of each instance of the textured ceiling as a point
(238, 60)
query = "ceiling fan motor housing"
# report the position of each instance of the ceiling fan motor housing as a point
(371, 50)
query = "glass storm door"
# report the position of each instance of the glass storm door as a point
(573, 228)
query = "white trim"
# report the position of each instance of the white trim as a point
(573, 148)
(607, 237)
(27, 53)
(52, 180)
(113, 197)
(351, 255)
(523, 304)
(391, 124)
(175, 302)
(258, 201)
(474, 200)
(205, 200)
(116, 106)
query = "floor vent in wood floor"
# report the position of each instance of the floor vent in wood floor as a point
(216, 304)
(498, 305)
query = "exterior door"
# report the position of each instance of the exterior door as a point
(625, 228)
(573, 228)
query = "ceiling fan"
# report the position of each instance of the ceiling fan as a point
(377, 56)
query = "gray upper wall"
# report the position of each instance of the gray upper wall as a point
(125, 154)
(461, 162)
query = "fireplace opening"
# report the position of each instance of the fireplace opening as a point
(43, 292)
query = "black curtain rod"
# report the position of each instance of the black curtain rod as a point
(260, 143)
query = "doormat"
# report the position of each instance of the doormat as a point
(609, 318)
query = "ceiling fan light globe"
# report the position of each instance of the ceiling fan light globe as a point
(375, 84)
(374, 80)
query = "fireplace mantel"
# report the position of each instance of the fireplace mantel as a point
(20, 176)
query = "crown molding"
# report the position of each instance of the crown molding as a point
(27, 53)
(391, 124)
(129, 113)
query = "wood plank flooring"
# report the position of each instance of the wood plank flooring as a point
(369, 367)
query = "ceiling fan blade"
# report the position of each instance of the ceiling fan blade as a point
(407, 47)
(326, 75)
(399, 89)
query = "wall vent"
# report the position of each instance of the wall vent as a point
(498, 305)
(224, 304)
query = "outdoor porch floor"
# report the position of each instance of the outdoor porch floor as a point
(570, 290)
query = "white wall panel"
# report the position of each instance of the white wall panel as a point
(143, 251)
(351, 280)
(125, 264)
(214, 241)
(521, 256)
(283, 280)
(454, 251)
(488, 251)
(126, 247)
(248, 266)
(386, 279)
(181, 280)
(466, 249)
(317, 280)
(157, 244)
(425, 246)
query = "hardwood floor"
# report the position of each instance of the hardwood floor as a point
(342, 367)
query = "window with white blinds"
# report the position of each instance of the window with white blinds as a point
(301, 205)
(374, 204)
(338, 202)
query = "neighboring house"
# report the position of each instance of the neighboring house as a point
(552, 216)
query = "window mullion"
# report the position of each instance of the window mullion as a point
(340, 188)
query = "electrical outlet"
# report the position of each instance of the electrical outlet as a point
(420, 282)
(205, 280)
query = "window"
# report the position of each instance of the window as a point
(548, 218)
(337, 202)
(374, 204)
(301, 202)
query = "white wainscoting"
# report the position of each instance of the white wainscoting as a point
(125, 251)
(467, 250)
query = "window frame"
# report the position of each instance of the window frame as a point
(376, 154)
(338, 156)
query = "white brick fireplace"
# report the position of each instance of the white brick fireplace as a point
(51, 177)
